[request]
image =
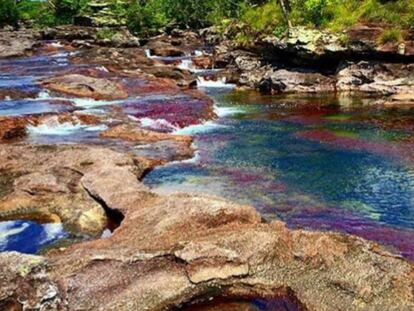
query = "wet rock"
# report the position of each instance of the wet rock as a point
(183, 78)
(16, 44)
(166, 51)
(7, 94)
(203, 62)
(121, 59)
(12, 128)
(84, 86)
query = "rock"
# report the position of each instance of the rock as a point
(84, 86)
(166, 51)
(183, 78)
(364, 38)
(373, 77)
(25, 276)
(133, 133)
(246, 61)
(84, 35)
(12, 128)
(120, 59)
(186, 249)
(203, 62)
(46, 184)
(284, 81)
(159, 147)
(16, 43)
(7, 94)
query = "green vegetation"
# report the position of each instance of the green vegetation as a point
(393, 35)
(9, 14)
(243, 19)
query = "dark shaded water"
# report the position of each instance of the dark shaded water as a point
(318, 162)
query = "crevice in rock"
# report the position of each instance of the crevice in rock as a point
(114, 216)
(283, 299)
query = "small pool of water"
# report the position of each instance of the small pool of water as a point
(28, 237)
(325, 163)
(218, 304)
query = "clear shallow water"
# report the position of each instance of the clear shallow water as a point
(28, 237)
(309, 161)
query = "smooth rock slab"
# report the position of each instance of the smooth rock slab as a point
(84, 86)
(183, 249)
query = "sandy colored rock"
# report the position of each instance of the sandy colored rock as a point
(44, 183)
(84, 86)
(132, 132)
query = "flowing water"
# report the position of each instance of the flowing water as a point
(317, 162)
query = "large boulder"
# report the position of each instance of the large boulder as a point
(16, 44)
(84, 86)
(285, 81)
(374, 77)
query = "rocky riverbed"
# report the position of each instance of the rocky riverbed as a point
(120, 106)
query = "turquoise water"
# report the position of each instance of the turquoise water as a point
(313, 162)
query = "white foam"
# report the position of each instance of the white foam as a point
(148, 53)
(199, 128)
(43, 95)
(57, 44)
(103, 68)
(204, 83)
(187, 64)
(198, 53)
(90, 102)
(53, 127)
(226, 111)
(158, 124)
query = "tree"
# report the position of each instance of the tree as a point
(286, 8)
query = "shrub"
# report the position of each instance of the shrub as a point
(40, 13)
(392, 35)
(9, 14)
(146, 19)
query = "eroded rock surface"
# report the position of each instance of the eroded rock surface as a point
(84, 86)
(15, 44)
(183, 249)
(44, 183)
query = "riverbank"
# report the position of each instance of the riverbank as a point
(121, 107)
